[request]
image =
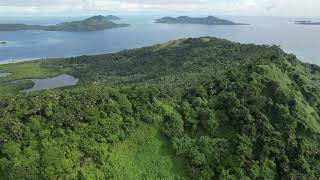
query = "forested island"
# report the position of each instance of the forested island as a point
(307, 23)
(94, 23)
(202, 108)
(210, 20)
(112, 18)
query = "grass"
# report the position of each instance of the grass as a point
(277, 75)
(170, 44)
(205, 39)
(7, 89)
(308, 113)
(146, 155)
(22, 71)
(25, 70)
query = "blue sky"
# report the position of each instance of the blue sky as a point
(170, 7)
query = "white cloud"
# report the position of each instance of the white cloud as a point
(219, 7)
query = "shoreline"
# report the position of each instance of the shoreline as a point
(13, 61)
(301, 56)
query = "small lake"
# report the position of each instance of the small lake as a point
(62, 80)
(4, 74)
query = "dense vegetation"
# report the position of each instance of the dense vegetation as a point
(210, 20)
(200, 108)
(94, 23)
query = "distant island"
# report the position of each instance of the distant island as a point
(94, 23)
(112, 18)
(210, 20)
(3, 42)
(307, 23)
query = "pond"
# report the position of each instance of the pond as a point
(62, 80)
(4, 74)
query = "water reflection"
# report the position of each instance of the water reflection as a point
(62, 80)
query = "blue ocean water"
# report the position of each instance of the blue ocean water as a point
(303, 41)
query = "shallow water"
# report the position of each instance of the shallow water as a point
(4, 74)
(304, 41)
(62, 80)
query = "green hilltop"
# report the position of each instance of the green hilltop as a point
(202, 108)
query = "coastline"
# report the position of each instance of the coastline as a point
(299, 55)
(302, 56)
(13, 61)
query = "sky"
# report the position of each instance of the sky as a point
(168, 7)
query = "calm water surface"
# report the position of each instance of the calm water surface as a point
(304, 41)
(4, 74)
(62, 80)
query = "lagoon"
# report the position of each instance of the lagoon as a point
(62, 80)
(4, 74)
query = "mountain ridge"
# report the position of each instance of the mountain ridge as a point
(206, 107)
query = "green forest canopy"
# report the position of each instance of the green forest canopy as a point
(202, 108)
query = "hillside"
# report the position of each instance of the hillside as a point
(210, 20)
(202, 108)
(94, 23)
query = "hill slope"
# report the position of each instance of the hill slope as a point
(225, 110)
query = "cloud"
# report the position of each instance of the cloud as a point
(219, 7)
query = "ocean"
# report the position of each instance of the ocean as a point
(301, 40)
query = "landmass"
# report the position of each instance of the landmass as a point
(198, 108)
(94, 23)
(3, 42)
(210, 20)
(307, 23)
(112, 18)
